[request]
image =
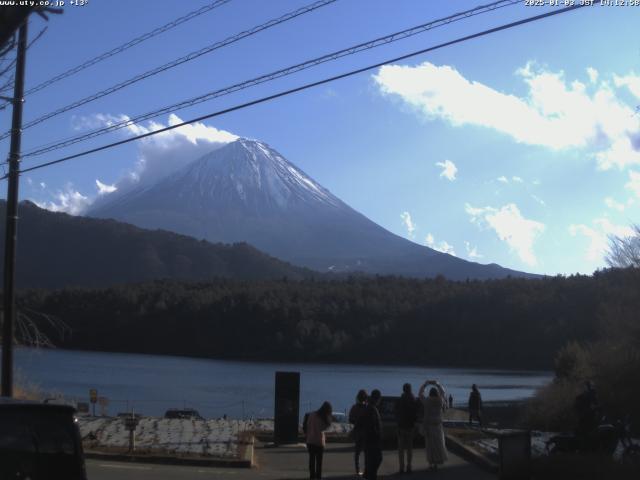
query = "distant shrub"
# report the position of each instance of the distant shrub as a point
(551, 409)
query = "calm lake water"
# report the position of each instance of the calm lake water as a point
(150, 384)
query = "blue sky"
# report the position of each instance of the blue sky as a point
(520, 148)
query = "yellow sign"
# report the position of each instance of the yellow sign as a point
(93, 395)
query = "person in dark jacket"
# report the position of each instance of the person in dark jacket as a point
(356, 415)
(475, 405)
(372, 425)
(406, 416)
(587, 410)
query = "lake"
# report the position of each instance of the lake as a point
(150, 384)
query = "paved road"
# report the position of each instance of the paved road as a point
(286, 463)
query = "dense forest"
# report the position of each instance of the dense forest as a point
(509, 323)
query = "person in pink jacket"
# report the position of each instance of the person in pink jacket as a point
(314, 427)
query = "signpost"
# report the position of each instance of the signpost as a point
(287, 407)
(93, 398)
(104, 403)
(130, 423)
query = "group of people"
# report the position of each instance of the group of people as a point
(367, 428)
(407, 411)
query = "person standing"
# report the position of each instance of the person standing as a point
(475, 405)
(372, 425)
(434, 404)
(406, 416)
(314, 426)
(587, 410)
(356, 415)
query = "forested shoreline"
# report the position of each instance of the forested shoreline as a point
(509, 323)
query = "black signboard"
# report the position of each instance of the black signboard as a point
(287, 407)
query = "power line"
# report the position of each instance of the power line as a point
(125, 46)
(307, 86)
(179, 61)
(274, 75)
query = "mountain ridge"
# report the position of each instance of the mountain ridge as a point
(247, 191)
(56, 249)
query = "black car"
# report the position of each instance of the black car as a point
(188, 413)
(39, 442)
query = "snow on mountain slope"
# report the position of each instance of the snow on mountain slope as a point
(247, 191)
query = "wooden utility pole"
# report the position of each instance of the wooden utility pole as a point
(12, 217)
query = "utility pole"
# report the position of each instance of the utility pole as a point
(12, 217)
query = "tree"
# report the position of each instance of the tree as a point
(624, 251)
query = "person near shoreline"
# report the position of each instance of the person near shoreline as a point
(475, 405)
(406, 412)
(372, 425)
(356, 415)
(434, 405)
(314, 426)
(587, 410)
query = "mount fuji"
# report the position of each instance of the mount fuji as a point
(247, 192)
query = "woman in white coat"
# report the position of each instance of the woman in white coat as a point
(434, 404)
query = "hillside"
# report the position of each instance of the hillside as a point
(56, 249)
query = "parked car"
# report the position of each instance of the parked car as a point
(129, 415)
(39, 442)
(188, 413)
(339, 417)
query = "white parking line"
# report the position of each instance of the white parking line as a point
(218, 472)
(127, 467)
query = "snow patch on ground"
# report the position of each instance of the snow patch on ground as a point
(161, 436)
(218, 438)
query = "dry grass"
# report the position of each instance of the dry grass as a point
(26, 391)
(551, 410)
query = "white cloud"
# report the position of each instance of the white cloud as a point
(538, 199)
(444, 247)
(43, 185)
(430, 240)
(441, 246)
(611, 203)
(503, 179)
(631, 82)
(517, 179)
(599, 237)
(163, 153)
(68, 200)
(408, 223)
(29, 181)
(593, 74)
(555, 113)
(472, 252)
(634, 183)
(511, 227)
(449, 170)
(104, 188)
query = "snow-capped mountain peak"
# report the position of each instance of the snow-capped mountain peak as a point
(246, 191)
(256, 174)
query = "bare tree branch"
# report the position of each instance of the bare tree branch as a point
(624, 251)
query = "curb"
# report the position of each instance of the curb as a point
(244, 460)
(470, 454)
